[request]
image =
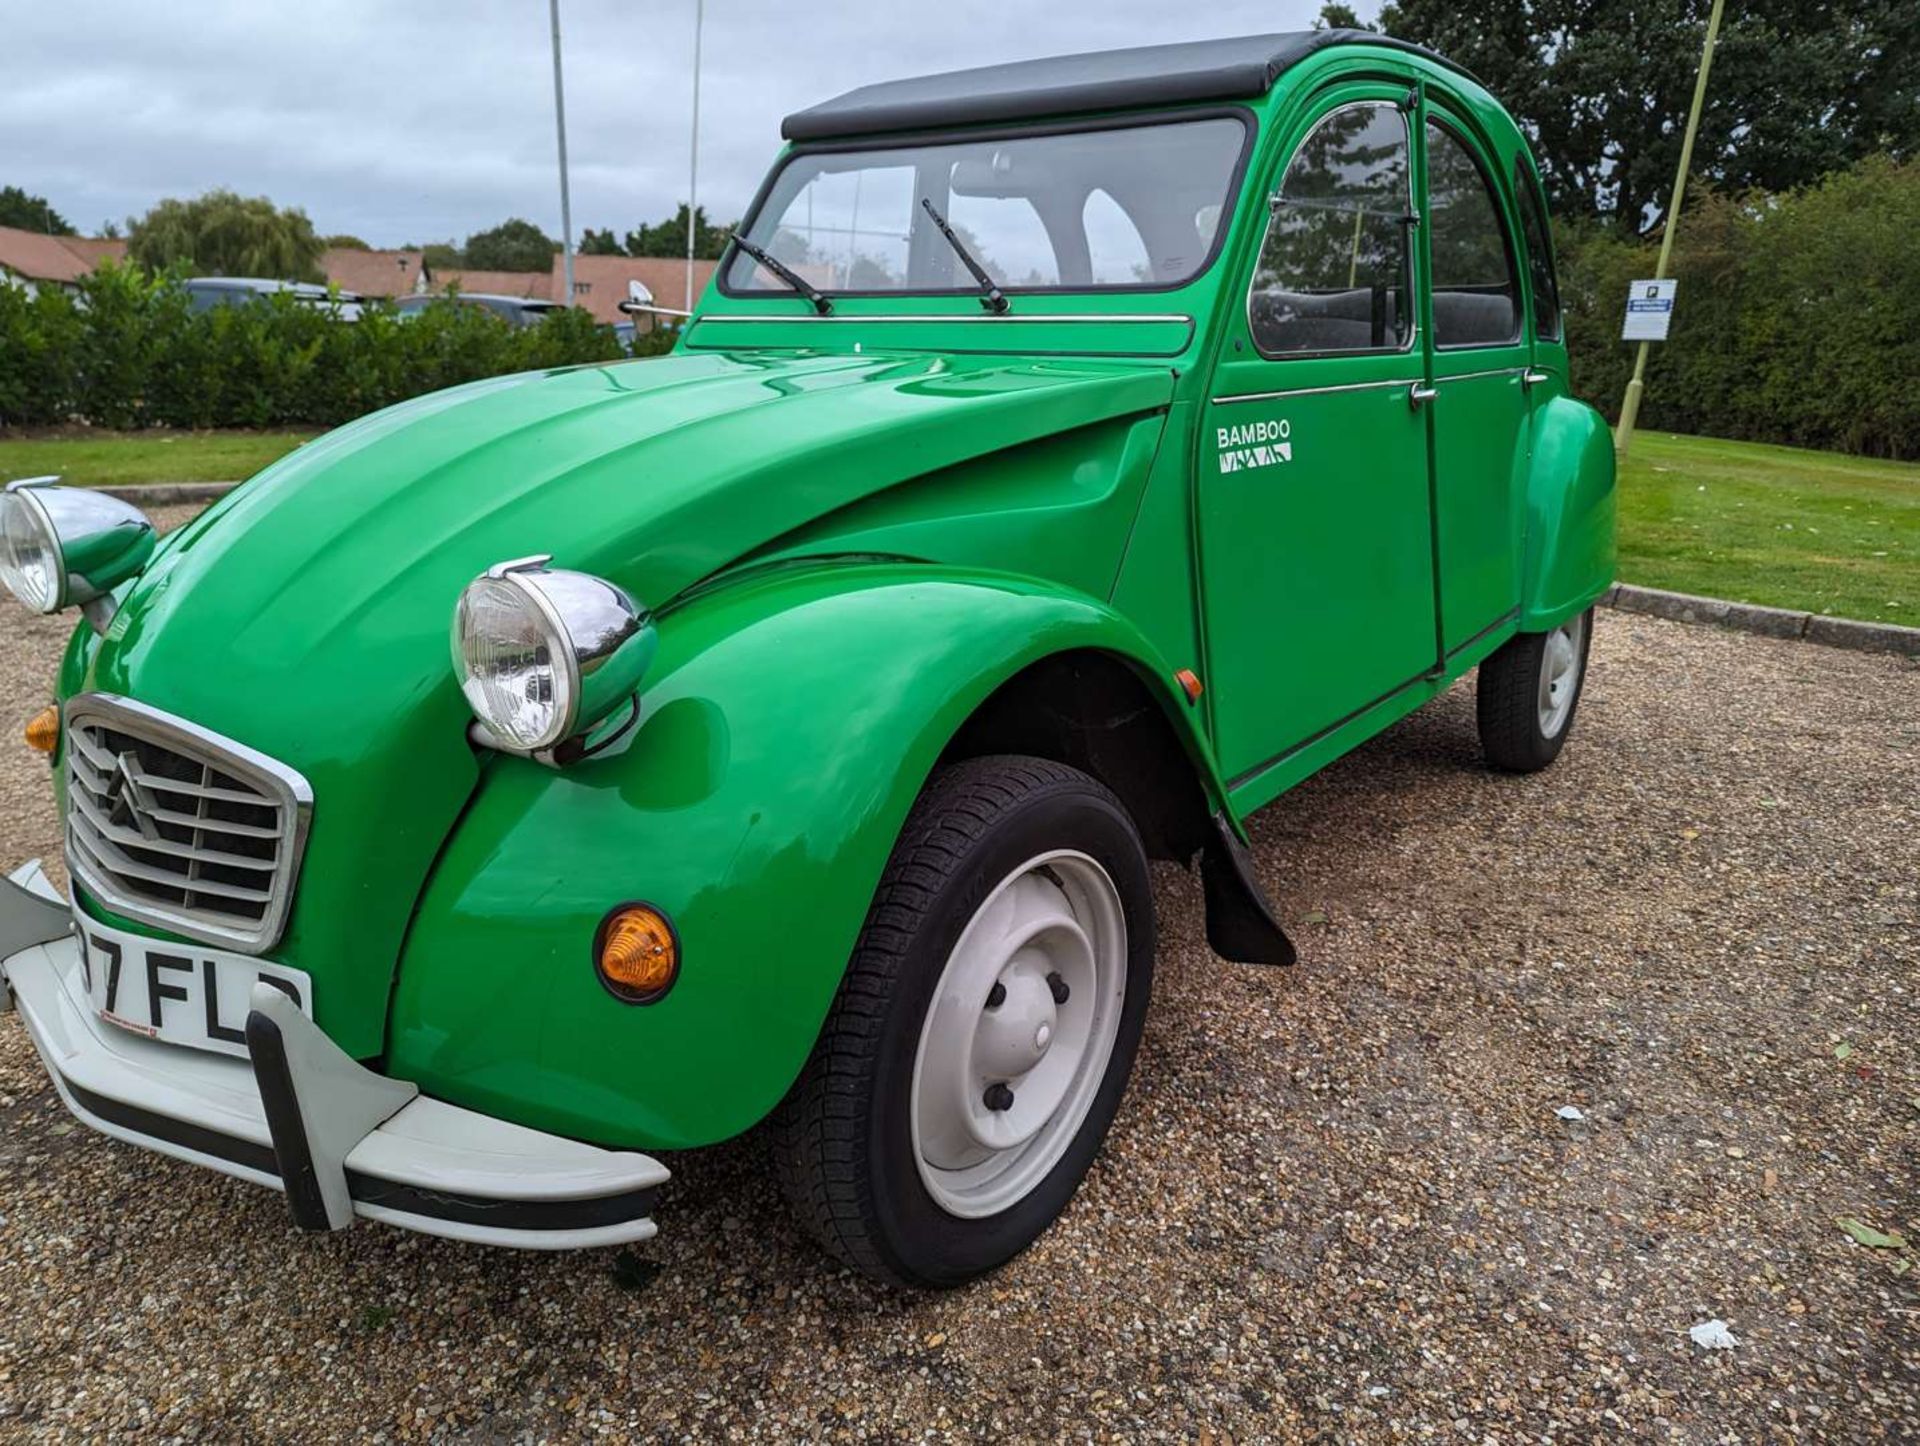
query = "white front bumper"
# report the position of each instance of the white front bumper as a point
(359, 1143)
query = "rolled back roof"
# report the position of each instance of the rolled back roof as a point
(1063, 85)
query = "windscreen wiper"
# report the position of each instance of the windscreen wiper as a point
(822, 303)
(991, 296)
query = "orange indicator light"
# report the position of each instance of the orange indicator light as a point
(636, 953)
(43, 730)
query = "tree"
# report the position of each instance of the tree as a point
(221, 234)
(31, 213)
(514, 245)
(1800, 89)
(669, 238)
(345, 243)
(599, 243)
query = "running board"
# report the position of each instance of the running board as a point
(1241, 924)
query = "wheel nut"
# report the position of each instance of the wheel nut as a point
(997, 995)
(998, 1096)
(1057, 987)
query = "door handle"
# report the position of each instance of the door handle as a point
(1419, 394)
(1532, 378)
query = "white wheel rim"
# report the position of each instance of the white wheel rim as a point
(1056, 915)
(1560, 675)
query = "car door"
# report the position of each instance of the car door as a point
(1315, 525)
(1480, 413)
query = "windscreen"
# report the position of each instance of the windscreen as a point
(1120, 206)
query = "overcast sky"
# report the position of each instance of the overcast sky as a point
(426, 120)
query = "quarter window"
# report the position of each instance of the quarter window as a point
(1533, 222)
(1334, 272)
(1476, 293)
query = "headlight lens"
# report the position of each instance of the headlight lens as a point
(29, 552)
(542, 653)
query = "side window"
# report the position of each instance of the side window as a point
(1533, 221)
(1334, 274)
(1476, 293)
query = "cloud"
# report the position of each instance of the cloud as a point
(434, 119)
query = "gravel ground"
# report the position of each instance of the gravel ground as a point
(1338, 1204)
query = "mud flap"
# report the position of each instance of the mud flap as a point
(1241, 924)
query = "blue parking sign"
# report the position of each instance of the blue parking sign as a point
(1649, 310)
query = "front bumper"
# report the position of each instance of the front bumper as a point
(302, 1117)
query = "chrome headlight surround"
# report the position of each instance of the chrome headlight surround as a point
(67, 546)
(544, 653)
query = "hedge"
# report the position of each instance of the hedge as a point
(1797, 318)
(1798, 321)
(126, 351)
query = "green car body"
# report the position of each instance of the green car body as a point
(871, 541)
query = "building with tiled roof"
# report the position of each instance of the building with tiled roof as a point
(600, 282)
(33, 259)
(376, 273)
(535, 285)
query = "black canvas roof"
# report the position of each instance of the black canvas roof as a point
(1196, 70)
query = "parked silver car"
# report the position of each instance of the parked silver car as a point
(514, 310)
(206, 292)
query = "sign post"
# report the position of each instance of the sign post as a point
(1630, 404)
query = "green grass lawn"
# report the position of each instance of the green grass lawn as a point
(88, 458)
(1814, 531)
(1809, 530)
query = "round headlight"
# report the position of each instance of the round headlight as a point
(65, 545)
(29, 552)
(542, 653)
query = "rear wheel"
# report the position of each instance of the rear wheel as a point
(1528, 692)
(983, 1036)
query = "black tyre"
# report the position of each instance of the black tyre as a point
(981, 1041)
(1528, 693)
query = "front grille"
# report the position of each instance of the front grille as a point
(175, 826)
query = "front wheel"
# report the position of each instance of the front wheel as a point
(984, 1033)
(1528, 692)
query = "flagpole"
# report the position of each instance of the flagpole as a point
(560, 126)
(693, 162)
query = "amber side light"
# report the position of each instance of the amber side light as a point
(636, 953)
(43, 730)
(1189, 684)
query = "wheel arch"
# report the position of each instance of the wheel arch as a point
(792, 720)
(1091, 709)
(1570, 514)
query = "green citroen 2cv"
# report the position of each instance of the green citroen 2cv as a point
(1068, 458)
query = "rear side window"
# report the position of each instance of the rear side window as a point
(1334, 273)
(1533, 221)
(1476, 293)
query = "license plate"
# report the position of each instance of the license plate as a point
(181, 993)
